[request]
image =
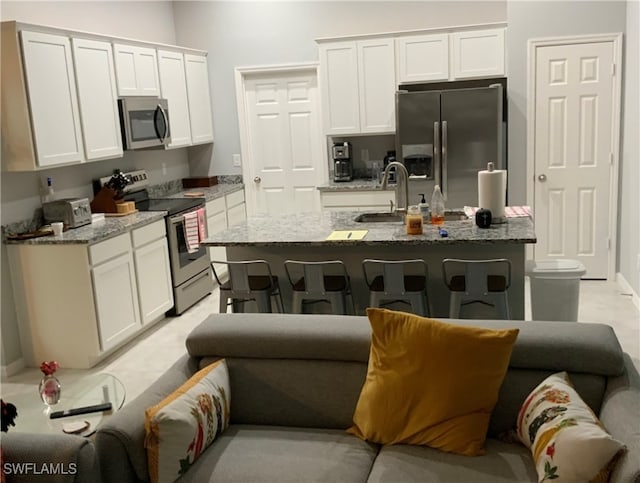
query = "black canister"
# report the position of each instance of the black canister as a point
(483, 218)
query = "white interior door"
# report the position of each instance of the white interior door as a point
(283, 155)
(573, 153)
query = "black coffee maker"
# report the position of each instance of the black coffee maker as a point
(342, 165)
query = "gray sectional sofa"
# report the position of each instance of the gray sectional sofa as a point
(295, 381)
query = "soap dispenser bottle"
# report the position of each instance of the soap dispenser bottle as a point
(437, 206)
(424, 208)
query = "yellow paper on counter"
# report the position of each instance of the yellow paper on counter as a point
(347, 235)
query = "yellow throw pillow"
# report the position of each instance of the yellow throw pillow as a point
(181, 426)
(431, 383)
(567, 441)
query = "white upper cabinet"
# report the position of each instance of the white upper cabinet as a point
(173, 87)
(478, 53)
(98, 98)
(358, 86)
(136, 70)
(377, 82)
(52, 99)
(197, 74)
(340, 92)
(422, 58)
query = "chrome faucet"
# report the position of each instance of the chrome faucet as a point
(402, 184)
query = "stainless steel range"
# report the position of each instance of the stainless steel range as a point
(190, 269)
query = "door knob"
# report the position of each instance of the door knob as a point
(257, 179)
(542, 177)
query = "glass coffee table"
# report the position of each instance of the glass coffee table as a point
(33, 414)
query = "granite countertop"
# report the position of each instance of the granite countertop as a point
(312, 229)
(96, 232)
(360, 184)
(113, 226)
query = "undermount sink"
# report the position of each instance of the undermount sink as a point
(379, 218)
(386, 217)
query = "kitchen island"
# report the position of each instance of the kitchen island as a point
(303, 236)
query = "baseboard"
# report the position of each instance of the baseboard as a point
(627, 288)
(11, 369)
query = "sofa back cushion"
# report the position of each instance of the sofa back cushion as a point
(308, 370)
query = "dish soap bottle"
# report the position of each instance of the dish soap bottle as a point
(424, 208)
(437, 206)
(413, 221)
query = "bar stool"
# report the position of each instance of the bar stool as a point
(325, 281)
(483, 281)
(249, 280)
(392, 281)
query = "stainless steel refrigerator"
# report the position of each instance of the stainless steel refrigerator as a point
(446, 136)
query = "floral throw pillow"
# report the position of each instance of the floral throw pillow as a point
(181, 426)
(567, 441)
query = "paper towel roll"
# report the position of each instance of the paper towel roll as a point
(492, 193)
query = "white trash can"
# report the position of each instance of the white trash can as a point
(555, 289)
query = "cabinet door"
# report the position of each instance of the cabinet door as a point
(236, 214)
(173, 86)
(197, 73)
(136, 70)
(422, 58)
(340, 98)
(116, 297)
(215, 224)
(98, 98)
(52, 98)
(155, 292)
(478, 53)
(377, 85)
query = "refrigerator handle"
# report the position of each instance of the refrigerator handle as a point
(436, 151)
(445, 187)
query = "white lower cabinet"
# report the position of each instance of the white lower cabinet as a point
(368, 200)
(236, 208)
(76, 303)
(153, 271)
(116, 299)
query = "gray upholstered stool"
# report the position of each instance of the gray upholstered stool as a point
(311, 282)
(392, 281)
(249, 280)
(483, 281)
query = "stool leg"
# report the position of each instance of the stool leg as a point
(339, 303)
(502, 305)
(455, 301)
(263, 301)
(418, 304)
(374, 299)
(296, 303)
(223, 302)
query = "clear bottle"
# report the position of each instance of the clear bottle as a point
(413, 220)
(424, 208)
(46, 191)
(437, 206)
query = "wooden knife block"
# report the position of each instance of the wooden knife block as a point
(105, 201)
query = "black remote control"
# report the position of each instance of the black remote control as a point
(83, 410)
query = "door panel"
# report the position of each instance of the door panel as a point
(284, 137)
(572, 153)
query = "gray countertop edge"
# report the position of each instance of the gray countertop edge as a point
(211, 192)
(325, 243)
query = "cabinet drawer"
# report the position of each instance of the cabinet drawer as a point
(216, 206)
(148, 233)
(108, 249)
(235, 198)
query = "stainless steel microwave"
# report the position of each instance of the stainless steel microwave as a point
(144, 122)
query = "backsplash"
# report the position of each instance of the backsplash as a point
(155, 191)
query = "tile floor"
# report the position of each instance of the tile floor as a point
(141, 361)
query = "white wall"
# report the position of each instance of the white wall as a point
(535, 19)
(147, 20)
(266, 33)
(629, 214)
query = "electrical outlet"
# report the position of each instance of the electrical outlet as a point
(236, 160)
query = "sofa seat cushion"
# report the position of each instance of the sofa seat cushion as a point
(503, 462)
(284, 454)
